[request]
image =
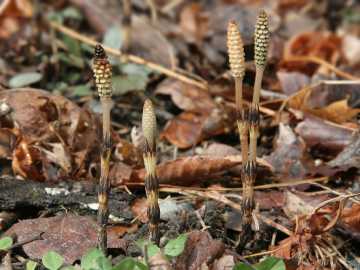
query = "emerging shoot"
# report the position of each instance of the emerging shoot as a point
(102, 74)
(151, 180)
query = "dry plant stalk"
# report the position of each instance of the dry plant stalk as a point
(126, 23)
(248, 121)
(151, 179)
(102, 74)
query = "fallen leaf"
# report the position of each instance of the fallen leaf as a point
(350, 220)
(187, 97)
(184, 130)
(323, 134)
(225, 262)
(291, 82)
(53, 124)
(189, 170)
(288, 153)
(70, 236)
(349, 156)
(337, 112)
(200, 248)
(24, 79)
(12, 14)
(194, 23)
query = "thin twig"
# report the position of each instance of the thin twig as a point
(317, 60)
(128, 57)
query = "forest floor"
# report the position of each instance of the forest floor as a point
(307, 211)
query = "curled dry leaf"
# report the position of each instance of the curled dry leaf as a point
(337, 112)
(78, 235)
(46, 128)
(189, 170)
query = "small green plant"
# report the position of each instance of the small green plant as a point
(95, 259)
(6, 243)
(173, 248)
(270, 263)
(52, 260)
(31, 265)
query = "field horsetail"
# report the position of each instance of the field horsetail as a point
(248, 119)
(103, 74)
(151, 180)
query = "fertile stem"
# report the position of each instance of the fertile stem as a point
(151, 179)
(102, 74)
(262, 36)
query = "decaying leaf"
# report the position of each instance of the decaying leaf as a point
(12, 14)
(189, 170)
(70, 236)
(200, 248)
(54, 137)
(187, 97)
(324, 134)
(349, 156)
(288, 153)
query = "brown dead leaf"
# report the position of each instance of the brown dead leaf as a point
(54, 136)
(139, 208)
(291, 82)
(349, 156)
(200, 248)
(7, 143)
(189, 170)
(323, 134)
(184, 130)
(224, 263)
(350, 220)
(71, 236)
(187, 97)
(288, 154)
(338, 112)
(194, 23)
(12, 14)
(320, 44)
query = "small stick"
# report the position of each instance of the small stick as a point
(151, 180)
(128, 57)
(102, 74)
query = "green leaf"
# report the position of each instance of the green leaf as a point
(70, 267)
(123, 84)
(243, 266)
(71, 60)
(6, 243)
(271, 263)
(31, 265)
(52, 260)
(72, 45)
(103, 263)
(89, 260)
(130, 264)
(175, 246)
(113, 37)
(24, 79)
(81, 90)
(72, 13)
(152, 249)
